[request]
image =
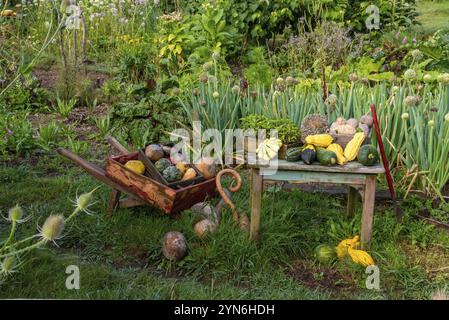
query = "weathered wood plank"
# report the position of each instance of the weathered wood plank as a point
(256, 204)
(113, 201)
(350, 167)
(315, 177)
(368, 210)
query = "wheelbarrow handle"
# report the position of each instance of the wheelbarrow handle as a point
(114, 142)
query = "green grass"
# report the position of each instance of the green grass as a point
(434, 15)
(120, 257)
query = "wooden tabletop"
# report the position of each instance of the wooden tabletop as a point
(350, 167)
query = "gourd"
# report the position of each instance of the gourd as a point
(293, 154)
(326, 157)
(367, 119)
(182, 167)
(368, 155)
(174, 246)
(190, 174)
(154, 152)
(207, 167)
(162, 164)
(353, 146)
(320, 140)
(135, 166)
(172, 174)
(308, 154)
(269, 148)
(338, 150)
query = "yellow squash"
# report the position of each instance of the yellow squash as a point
(360, 257)
(338, 150)
(320, 140)
(353, 146)
(135, 166)
(342, 248)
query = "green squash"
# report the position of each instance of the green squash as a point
(162, 164)
(308, 154)
(325, 254)
(368, 155)
(326, 157)
(293, 154)
(171, 174)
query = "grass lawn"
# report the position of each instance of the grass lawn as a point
(434, 15)
(120, 257)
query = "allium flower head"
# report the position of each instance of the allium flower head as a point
(431, 123)
(279, 81)
(446, 117)
(444, 78)
(405, 116)
(215, 95)
(332, 99)
(412, 101)
(353, 77)
(235, 89)
(427, 78)
(410, 74)
(417, 54)
(207, 66)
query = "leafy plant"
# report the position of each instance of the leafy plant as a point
(48, 135)
(64, 107)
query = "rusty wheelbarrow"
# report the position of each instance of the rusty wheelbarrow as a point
(141, 189)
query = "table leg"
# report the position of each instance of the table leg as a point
(256, 202)
(352, 199)
(368, 209)
(113, 201)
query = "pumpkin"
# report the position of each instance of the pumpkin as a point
(325, 254)
(268, 149)
(207, 167)
(154, 152)
(135, 166)
(368, 155)
(174, 246)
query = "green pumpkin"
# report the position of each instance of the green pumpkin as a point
(326, 157)
(162, 164)
(293, 154)
(368, 155)
(171, 174)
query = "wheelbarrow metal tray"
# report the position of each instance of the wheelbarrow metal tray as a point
(153, 192)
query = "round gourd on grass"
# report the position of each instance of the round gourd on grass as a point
(368, 155)
(325, 254)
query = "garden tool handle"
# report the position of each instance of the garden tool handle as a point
(236, 176)
(382, 153)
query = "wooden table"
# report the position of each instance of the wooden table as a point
(360, 179)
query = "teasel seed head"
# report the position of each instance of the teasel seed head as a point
(15, 213)
(52, 228)
(7, 265)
